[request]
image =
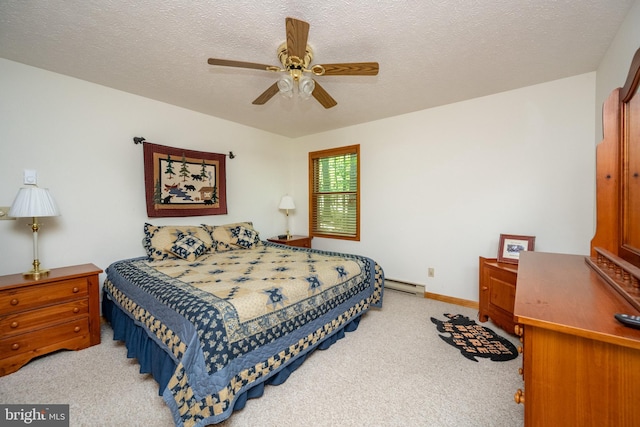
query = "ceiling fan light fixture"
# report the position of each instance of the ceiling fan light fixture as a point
(306, 85)
(285, 86)
(296, 55)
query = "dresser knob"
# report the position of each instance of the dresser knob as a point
(14, 302)
(518, 330)
(14, 324)
(520, 371)
(520, 349)
(76, 290)
(15, 346)
(484, 288)
(76, 329)
(76, 310)
(519, 396)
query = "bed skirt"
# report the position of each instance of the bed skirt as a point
(157, 362)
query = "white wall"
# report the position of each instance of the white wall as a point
(78, 136)
(440, 185)
(612, 72)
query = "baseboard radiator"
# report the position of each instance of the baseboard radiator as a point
(399, 285)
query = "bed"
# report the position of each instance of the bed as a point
(214, 313)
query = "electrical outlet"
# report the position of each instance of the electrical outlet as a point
(431, 272)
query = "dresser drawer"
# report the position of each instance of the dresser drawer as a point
(30, 297)
(72, 335)
(21, 322)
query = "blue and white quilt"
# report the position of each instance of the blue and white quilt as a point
(233, 319)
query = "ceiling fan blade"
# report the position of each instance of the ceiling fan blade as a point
(323, 97)
(297, 34)
(266, 95)
(350, 69)
(239, 64)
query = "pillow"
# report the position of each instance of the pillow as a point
(225, 237)
(158, 238)
(188, 247)
(247, 238)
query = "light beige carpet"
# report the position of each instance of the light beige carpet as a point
(393, 371)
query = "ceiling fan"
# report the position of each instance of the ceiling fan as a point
(295, 56)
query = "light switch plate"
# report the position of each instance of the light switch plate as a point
(4, 213)
(30, 177)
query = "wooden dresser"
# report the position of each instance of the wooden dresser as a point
(60, 311)
(581, 366)
(497, 290)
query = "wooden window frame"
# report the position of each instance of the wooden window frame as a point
(351, 149)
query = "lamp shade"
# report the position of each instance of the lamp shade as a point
(33, 201)
(287, 203)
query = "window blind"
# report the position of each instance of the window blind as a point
(334, 193)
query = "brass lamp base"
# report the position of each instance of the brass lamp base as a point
(35, 275)
(36, 272)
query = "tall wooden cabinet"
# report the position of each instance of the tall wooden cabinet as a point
(581, 366)
(497, 290)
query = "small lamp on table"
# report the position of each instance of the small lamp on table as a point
(287, 203)
(34, 202)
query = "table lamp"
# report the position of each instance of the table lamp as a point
(34, 202)
(287, 203)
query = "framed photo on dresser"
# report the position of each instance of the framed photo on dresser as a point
(511, 245)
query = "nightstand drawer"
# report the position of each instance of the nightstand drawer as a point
(502, 292)
(25, 321)
(497, 291)
(298, 241)
(301, 243)
(30, 297)
(72, 335)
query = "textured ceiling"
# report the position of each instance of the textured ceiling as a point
(431, 52)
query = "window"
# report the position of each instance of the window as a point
(334, 190)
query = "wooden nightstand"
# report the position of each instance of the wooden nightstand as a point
(299, 241)
(60, 311)
(497, 289)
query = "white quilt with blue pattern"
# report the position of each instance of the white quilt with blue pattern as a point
(232, 319)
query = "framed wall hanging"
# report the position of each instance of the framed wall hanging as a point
(182, 182)
(511, 245)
